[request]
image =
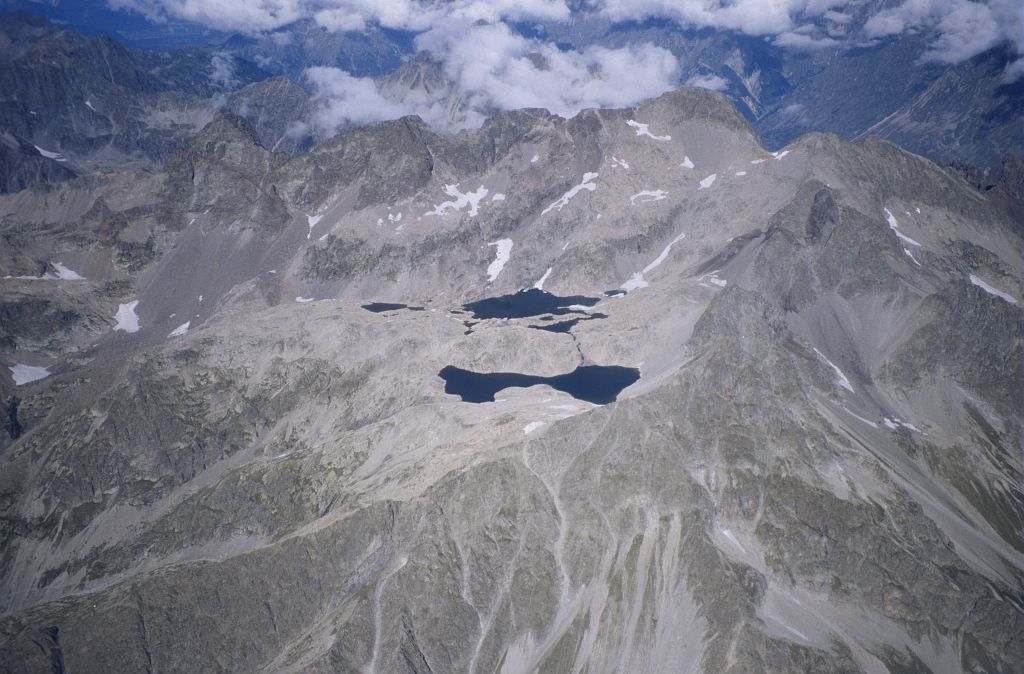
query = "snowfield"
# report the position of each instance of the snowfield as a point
(502, 254)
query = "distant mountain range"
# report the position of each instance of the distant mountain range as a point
(98, 104)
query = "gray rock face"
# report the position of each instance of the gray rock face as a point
(21, 165)
(818, 470)
(97, 105)
(279, 110)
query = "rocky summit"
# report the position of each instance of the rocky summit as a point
(623, 392)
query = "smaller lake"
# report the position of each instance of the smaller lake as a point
(378, 307)
(568, 325)
(598, 384)
(531, 302)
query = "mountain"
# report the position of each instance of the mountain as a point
(102, 106)
(858, 86)
(280, 111)
(758, 411)
(22, 164)
(289, 50)
(131, 29)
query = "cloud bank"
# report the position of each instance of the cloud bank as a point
(753, 17)
(489, 67)
(253, 16)
(964, 28)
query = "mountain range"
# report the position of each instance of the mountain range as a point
(297, 414)
(99, 105)
(724, 377)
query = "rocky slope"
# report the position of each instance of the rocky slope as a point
(98, 105)
(225, 462)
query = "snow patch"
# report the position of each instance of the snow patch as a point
(740, 173)
(312, 220)
(56, 156)
(126, 317)
(534, 159)
(664, 254)
(780, 155)
(586, 184)
(758, 161)
(732, 539)
(643, 130)
(532, 426)
(24, 374)
(62, 274)
(620, 162)
(896, 424)
(708, 182)
(461, 200)
(397, 217)
(712, 278)
(894, 226)
(503, 251)
(303, 300)
(648, 195)
(65, 274)
(636, 281)
(911, 256)
(539, 285)
(89, 105)
(858, 417)
(497, 197)
(993, 291)
(687, 163)
(840, 377)
(180, 330)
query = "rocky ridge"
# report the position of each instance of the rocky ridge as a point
(818, 470)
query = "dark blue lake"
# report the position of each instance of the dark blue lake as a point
(531, 302)
(568, 325)
(598, 384)
(378, 307)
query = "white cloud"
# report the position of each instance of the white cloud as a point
(713, 82)
(492, 68)
(343, 15)
(1014, 71)
(500, 69)
(802, 42)
(241, 15)
(346, 100)
(964, 28)
(222, 71)
(754, 17)
(837, 17)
